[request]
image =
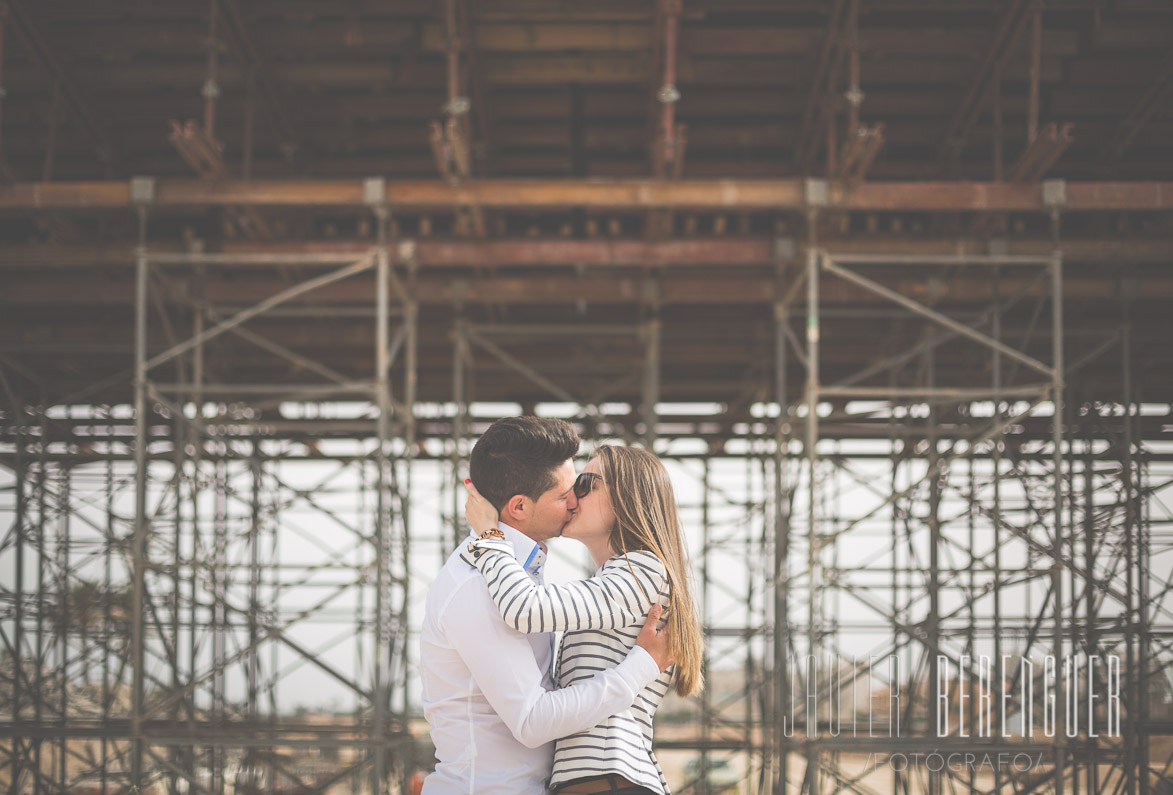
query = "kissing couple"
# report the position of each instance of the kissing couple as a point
(508, 714)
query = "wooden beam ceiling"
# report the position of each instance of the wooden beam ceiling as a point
(560, 103)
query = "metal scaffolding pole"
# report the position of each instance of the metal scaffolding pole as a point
(382, 509)
(813, 543)
(1057, 438)
(777, 777)
(141, 520)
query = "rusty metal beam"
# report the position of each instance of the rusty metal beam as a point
(668, 138)
(721, 252)
(634, 194)
(668, 146)
(452, 141)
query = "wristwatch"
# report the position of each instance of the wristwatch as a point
(491, 533)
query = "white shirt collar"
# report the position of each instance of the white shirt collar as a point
(529, 553)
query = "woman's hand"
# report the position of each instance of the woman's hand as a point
(479, 512)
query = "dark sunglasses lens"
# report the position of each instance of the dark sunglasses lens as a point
(582, 484)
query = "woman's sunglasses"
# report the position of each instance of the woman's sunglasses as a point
(585, 482)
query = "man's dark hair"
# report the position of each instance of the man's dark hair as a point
(518, 455)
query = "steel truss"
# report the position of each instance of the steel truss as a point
(921, 526)
(189, 575)
(171, 585)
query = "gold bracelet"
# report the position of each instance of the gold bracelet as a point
(493, 532)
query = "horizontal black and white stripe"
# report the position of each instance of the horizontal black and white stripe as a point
(601, 617)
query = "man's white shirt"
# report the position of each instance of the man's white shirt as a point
(488, 691)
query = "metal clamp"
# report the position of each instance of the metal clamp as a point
(817, 193)
(668, 94)
(374, 191)
(457, 106)
(142, 190)
(1054, 193)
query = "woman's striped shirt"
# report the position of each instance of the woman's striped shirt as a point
(601, 618)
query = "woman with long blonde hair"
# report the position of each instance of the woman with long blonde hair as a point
(626, 516)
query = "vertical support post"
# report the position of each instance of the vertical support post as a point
(1091, 635)
(1057, 539)
(668, 94)
(457, 106)
(138, 547)
(754, 747)
(972, 609)
(39, 689)
(179, 756)
(1143, 628)
(410, 377)
(196, 440)
(1131, 724)
(813, 262)
(933, 621)
(252, 773)
(900, 583)
(18, 587)
(220, 628)
(781, 580)
(854, 95)
(382, 511)
(108, 547)
(211, 90)
(64, 483)
(669, 144)
(996, 486)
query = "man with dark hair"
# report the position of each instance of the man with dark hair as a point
(488, 690)
(519, 456)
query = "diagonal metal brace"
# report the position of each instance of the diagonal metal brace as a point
(947, 322)
(248, 314)
(524, 369)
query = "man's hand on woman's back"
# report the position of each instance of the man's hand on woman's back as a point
(655, 641)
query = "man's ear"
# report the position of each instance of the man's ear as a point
(516, 510)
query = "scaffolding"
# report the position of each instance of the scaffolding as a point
(216, 546)
(182, 564)
(178, 572)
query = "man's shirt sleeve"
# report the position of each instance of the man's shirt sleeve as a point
(502, 664)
